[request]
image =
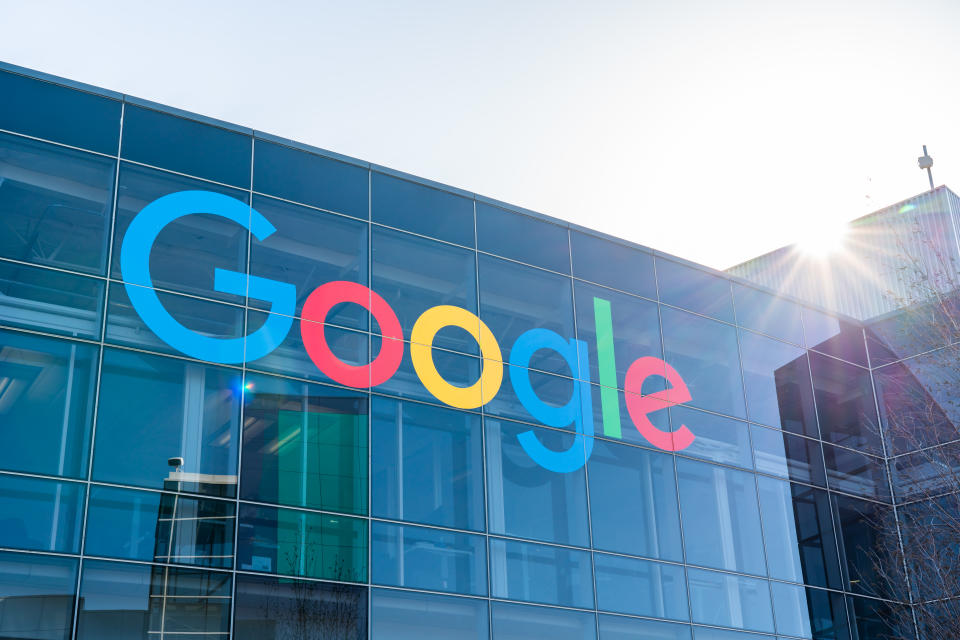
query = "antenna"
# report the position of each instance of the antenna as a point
(926, 162)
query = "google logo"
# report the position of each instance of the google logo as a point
(578, 411)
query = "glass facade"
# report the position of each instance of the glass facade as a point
(665, 453)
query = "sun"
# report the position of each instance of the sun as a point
(823, 238)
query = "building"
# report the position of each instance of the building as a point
(257, 390)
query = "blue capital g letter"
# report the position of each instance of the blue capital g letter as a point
(135, 268)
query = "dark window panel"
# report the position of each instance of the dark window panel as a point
(873, 618)
(621, 628)
(48, 388)
(185, 410)
(400, 615)
(857, 473)
(845, 404)
(429, 559)
(522, 622)
(930, 472)
(50, 301)
(834, 337)
(304, 445)
(864, 532)
(640, 587)
(540, 573)
(809, 613)
(522, 238)
(727, 600)
(422, 209)
(310, 179)
(694, 290)
(37, 594)
(55, 205)
(717, 439)
(613, 264)
(788, 456)
(40, 515)
(777, 380)
(186, 146)
(45, 110)
(767, 313)
(916, 329)
(928, 530)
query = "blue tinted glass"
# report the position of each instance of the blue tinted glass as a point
(875, 619)
(835, 337)
(520, 237)
(47, 300)
(777, 381)
(50, 111)
(36, 596)
(845, 404)
(184, 410)
(718, 439)
(798, 531)
(730, 601)
(767, 313)
(658, 415)
(456, 368)
(621, 628)
(788, 456)
(304, 445)
(161, 527)
(540, 573)
(635, 324)
(421, 209)
(48, 390)
(125, 326)
(186, 146)
(704, 353)
(613, 264)
(55, 204)
(695, 290)
(311, 248)
(414, 274)
(427, 464)
(857, 473)
(310, 179)
(401, 615)
(641, 587)
(127, 601)
(522, 622)
(302, 543)
(524, 499)
(790, 606)
(515, 299)
(431, 559)
(549, 388)
(859, 527)
(723, 502)
(709, 633)
(188, 250)
(633, 501)
(40, 515)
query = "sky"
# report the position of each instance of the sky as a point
(712, 130)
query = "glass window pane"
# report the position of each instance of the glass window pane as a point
(845, 404)
(524, 499)
(431, 559)
(458, 369)
(184, 410)
(640, 587)
(401, 615)
(161, 527)
(508, 234)
(705, 354)
(427, 464)
(834, 337)
(796, 615)
(620, 628)
(48, 389)
(718, 439)
(856, 473)
(302, 543)
(304, 445)
(798, 531)
(54, 112)
(788, 456)
(188, 250)
(55, 204)
(709, 633)
(551, 390)
(777, 381)
(540, 573)
(877, 619)
(633, 501)
(36, 596)
(132, 602)
(40, 515)
(723, 502)
(767, 313)
(522, 622)
(311, 179)
(50, 301)
(421, 209)
(694, 290)
(860, 526)
(515, 299)
(613, 264)
(730, 601)
(414, 274)
(311, 248)
(930, 472)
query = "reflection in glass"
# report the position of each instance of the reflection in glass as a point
(769, 314)
(718, 439)
(860, 527)
(523, 621)
(845, 404)
(427, 464)
(613, 264)
(834, 337)
(788, 456)
(856, 473)
(400, 615)
(641, 587)
(51, 301)
(728, 600)
(694, 290)
(809, 613)
(621, 628)
(431, 559)
(777, 381)
(40, 515)
(36, 596)
(508, 234)
(540, 573)
(421, 209)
